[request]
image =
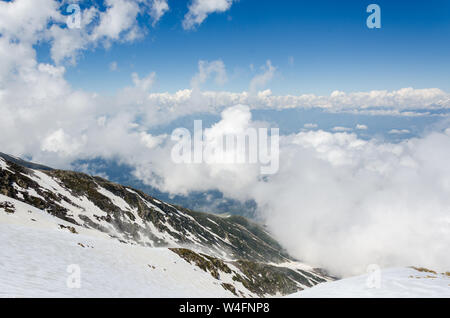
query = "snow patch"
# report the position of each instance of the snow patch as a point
(393, 283)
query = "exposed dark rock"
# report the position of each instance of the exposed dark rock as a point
(70, 228)
(8, 207)
(230, 287)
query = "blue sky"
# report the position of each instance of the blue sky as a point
(317, 47)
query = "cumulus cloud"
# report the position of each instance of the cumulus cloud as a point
(133, 96)
(206, 70)
(356, 202)
(117, 23)
(262, 79)
(399, 131)
(59, 142)
(39, 110)
(339, 128)
(361, 127)
(158, 9)
(200, 9)
(120, 16)
(234, 120)
(29, 21)
(113, 66)
(145, 83)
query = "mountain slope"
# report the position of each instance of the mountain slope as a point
(54, 207)
(36, 259)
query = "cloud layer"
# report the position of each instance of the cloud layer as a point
(403, 102)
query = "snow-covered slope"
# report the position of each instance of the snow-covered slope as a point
(126, 243)
(35, 256)
(388, 283)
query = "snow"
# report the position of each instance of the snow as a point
(393, 283)
(28, 216)
(186, 215)
(122, 204)
(117, 201)
(298, 266)
(148, 204)
(4, 165)
(43, 180)
(294, 265)
(212, 222)
(171, 228)
(162, 236)
(35, 256)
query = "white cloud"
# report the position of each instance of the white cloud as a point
(27, 19)
(59, 142)
(55, 71)
(117, 23)
(415, 105)
(119, 16)
(406, 96)
(207, 69)
(151, 141)
(234, 120)
(339, 128)
(32, 20)
(145, 83)
(361, 127)
(310, 126)
(136, 94)
(158, 9)
(344, 203)
(113, 66)
(200, 9)
(261, 80)
(399, 131)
